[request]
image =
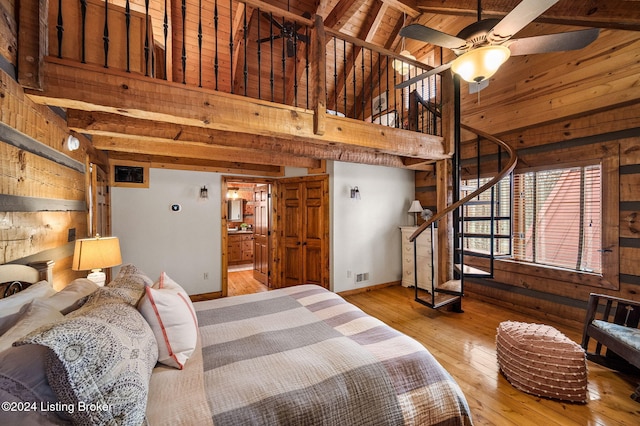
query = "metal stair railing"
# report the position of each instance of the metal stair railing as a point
(448, 288)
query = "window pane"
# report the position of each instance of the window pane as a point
(559, 215)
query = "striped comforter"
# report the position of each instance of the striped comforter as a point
(304, 356)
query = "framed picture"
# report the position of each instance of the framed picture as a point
(379, 104)
(130, 174)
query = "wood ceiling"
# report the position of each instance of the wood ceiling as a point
(377, 22)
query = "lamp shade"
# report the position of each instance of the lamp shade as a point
(401, 66)
(480, 64)
(415, 207)
(96, 253)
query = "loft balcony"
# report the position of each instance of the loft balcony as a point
(243, 83)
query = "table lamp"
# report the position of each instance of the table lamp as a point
(415, 209)
(95, 254)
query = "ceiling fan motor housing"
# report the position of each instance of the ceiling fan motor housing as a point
(475, 35)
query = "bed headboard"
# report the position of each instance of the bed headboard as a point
(15, 277)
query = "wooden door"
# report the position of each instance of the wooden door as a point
(100, 202)
(261, 229)
(304, 203)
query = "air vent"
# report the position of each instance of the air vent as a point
(362, 277)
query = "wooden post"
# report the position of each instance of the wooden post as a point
(33, 41)
(318, 78)
(445, 225)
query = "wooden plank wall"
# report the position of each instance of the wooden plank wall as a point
(43, 190)
(546, 296)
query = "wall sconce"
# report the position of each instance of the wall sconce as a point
(204, 192)
(232, 193)
(355, 193)
(72, 143)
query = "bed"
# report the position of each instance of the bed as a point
(299, 355)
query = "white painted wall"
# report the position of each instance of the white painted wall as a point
(365, 234)
(184, 244)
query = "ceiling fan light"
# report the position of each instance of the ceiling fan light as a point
(480, 64)
(401, 66)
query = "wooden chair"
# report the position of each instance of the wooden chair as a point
(613, 322)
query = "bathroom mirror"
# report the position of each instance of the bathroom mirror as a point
(235, 210)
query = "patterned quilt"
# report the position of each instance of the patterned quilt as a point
(304, 356)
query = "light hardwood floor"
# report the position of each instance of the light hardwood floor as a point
(465, 345)
(242, 282)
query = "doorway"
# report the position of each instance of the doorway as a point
(246, 235)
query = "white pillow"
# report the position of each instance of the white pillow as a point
(32, 316)
(173, 321)
(166, 283)
(66, 300)
(12, 304)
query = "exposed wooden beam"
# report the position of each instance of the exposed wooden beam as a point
(32, 41)
(152, 146)
(375, 16)
(94, 88)
(341, 12)
(614, 14)
(114, 125)
(406, 6)
(197, 164)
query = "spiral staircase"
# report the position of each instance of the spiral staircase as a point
(492, 225)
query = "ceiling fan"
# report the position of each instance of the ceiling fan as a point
(288, 32)
(485, 45)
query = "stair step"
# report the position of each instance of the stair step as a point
(451, 285)
(470, 271)
(475, 253)
(470, 235)
(485, 218)
(445, 299)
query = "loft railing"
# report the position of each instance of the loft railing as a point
(243, 47)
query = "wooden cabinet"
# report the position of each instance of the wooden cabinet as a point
(422, 257)
(240, 249)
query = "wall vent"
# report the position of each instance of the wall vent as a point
(362, 277)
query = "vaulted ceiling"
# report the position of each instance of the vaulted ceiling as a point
(376, 22)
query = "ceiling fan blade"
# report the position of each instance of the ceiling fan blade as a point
(275, 37)
(429, 35)
(518, 18)
(291, 48)
(272, 19)
(413, 80)
(572, 40)
(302, 37)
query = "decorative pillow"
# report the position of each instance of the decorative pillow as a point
(72, 296)
(34, 315)
(130, 284)
(166, 283)
(101, 354)
(23, 379)
(173, 321)
(9, 306)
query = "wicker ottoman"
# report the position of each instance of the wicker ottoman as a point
(540, 360)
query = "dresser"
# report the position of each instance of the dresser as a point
(423, 257)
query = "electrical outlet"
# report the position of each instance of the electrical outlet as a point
(71, 236)
(206, 275)
(348, 273)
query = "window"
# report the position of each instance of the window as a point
(557, 219)
(562, 222)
